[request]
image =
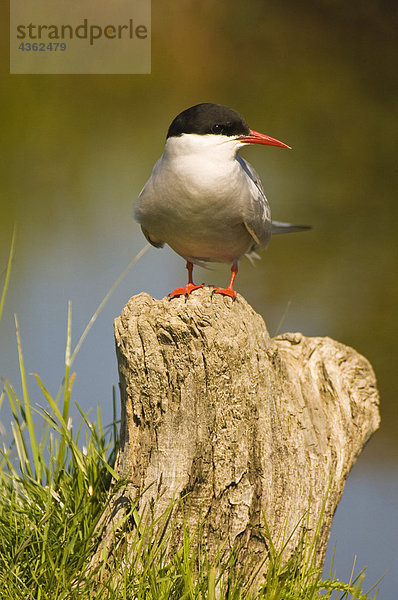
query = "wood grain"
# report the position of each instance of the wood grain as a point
(241, 426)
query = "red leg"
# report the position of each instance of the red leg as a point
(186, 289)
(229, 291)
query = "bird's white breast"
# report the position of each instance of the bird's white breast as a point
(196, 197)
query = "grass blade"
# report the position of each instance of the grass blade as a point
(8, 272)
(105, 300)
(67, 363)
(282, 319)
(28, 412)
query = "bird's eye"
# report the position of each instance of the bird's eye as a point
(217, 128)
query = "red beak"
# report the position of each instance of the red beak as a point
(260, 138)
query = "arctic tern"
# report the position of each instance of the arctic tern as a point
(203, 199)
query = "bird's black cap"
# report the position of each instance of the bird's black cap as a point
(208, 118)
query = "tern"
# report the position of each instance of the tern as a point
(203, 199)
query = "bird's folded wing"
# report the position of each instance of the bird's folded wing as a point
(150, 240)
(257, 213)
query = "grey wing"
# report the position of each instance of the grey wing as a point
(139, 217)
(148, 237)
(258, 214)
(141, 209)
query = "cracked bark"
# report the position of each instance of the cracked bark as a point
(241, 426)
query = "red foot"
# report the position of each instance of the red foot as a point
(229, 291)
(225, 292)
(186, 290)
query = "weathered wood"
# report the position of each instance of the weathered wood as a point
(240, 425)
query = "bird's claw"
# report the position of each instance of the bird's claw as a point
(225, 292)
(186, 290)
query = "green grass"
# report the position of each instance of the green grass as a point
(7, 273)
(55, 483)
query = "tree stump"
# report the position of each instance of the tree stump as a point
(242, 427)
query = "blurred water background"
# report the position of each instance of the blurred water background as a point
(319, 75)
